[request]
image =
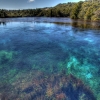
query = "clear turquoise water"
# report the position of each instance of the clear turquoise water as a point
(48, 45)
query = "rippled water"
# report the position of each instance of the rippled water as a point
(51, 46)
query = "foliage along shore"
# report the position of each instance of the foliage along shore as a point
(87, 10)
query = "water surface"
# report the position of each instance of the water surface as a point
(40, 47)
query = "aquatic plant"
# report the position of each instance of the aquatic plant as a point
(6, 64)
(52, 86)
(5, 56)
(84, 71)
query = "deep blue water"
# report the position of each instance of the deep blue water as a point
(49, 45)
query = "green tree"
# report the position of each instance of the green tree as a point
(75, 10)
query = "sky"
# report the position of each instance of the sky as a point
(30, 4)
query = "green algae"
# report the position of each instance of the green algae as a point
(11, 75)
(6, 59)
(85, 72)
(6, 62)
(5, 56)
(72, 65)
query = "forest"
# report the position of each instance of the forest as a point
(87, 10)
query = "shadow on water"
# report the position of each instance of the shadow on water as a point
(81, 24)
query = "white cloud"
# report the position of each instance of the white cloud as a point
(31, 0)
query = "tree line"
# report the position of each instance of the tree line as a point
(87, 10)
(60, 10)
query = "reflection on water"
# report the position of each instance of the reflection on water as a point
(44, 60)
(2, 23)
(61, 21)
(86, 24)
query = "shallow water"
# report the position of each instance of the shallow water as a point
(49, 45)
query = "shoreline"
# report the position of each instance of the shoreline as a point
(51, 17)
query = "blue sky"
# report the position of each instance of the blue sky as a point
(25, 4)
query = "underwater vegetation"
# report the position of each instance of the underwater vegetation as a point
(5, 56)
(6, 65)
(37, 85)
